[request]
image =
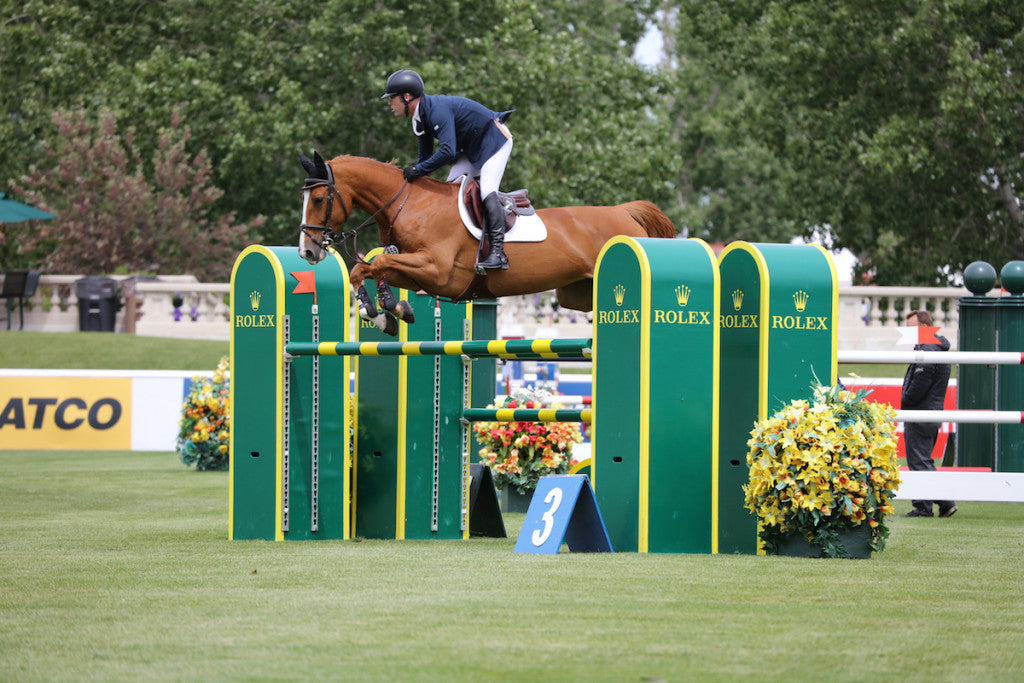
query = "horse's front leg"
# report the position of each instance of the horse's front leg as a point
(401, 309)
(368, 311)
(416, 267)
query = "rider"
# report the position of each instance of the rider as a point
(472, 138)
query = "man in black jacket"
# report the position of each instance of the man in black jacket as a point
(924, 388)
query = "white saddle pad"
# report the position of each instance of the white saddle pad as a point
(526, 228)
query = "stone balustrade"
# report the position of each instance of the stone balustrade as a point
(144, 306)
(867, 315)
(204, 311)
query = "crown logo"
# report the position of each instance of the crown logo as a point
(620, 294)
(737, 299)
(800, 299)
(254, 300)
(682, 294)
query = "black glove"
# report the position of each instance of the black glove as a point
(411, 173)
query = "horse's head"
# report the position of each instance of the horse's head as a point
(319, 219)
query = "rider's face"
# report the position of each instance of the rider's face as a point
(397, 104)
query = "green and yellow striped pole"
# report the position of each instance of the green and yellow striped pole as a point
(508, 348)
(528, 415)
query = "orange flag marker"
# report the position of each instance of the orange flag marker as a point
(306, 284)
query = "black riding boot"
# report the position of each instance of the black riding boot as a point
(495, 218)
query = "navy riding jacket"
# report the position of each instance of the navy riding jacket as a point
(461, 126)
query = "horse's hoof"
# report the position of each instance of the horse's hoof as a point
(386, 299)
(403, 309)
(391, 325)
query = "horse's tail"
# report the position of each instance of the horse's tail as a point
(651, 219)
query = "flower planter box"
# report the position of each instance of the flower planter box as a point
(824, 467)
(857, 543)
(514, 501)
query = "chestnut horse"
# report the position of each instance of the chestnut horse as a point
(436, 253)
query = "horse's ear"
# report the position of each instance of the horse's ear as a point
(308, 165)
(321, 167)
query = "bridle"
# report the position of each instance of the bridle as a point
(330, 236)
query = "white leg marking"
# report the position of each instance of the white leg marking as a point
(303, 246)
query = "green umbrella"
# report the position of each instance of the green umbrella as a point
(14, 212)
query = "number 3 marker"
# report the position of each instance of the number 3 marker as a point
(554, 499)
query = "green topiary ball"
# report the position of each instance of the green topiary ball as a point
(979, 277)
(1011, 277)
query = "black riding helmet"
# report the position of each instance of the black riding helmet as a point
(403, 81)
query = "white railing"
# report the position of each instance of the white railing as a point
(867, 315)
(204, 311)
(144, 307)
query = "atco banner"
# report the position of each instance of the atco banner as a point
(73, 413)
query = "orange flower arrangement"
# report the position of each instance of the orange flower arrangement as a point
(520, 453)
(204, 436)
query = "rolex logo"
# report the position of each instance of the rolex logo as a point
(682, 294)
(620, 294)
(800, 299)
(254, 300)
(737, 299)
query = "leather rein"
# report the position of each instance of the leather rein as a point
(329, 236)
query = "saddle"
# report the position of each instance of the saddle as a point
(516, 203)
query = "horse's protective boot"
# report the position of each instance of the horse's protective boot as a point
(495, 215)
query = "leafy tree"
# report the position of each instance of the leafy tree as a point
(903, 122)
(260, 80)
(728, 184)
(110, 218)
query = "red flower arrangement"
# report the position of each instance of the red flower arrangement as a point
(520, 453)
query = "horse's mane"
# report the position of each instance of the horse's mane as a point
(346, 161)
(343, 161)
(349, 159)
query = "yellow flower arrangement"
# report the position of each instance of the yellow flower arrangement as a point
(204, 436)
(823, 467)
(520, 453)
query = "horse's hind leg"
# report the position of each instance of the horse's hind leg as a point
(401, 309)
(368, 311)
(579, 295)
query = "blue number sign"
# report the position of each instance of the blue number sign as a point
(563, 509)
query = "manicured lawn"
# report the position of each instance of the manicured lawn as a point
(108, 351)
(117, 566)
